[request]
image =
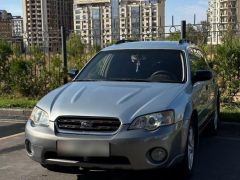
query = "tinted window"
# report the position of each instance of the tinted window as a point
(136, 65)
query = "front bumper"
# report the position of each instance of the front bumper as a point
(129, 149)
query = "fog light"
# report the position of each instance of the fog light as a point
(158, 154)
(28, 146)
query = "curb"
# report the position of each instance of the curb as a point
(15, 114)
(230, 123)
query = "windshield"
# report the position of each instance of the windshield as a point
(136, 65)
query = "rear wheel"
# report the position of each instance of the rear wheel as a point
(215, 121)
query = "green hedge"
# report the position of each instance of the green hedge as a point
(17, 102)
(230, 113)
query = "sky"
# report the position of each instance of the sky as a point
(180, 9)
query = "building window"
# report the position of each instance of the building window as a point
(77, 11)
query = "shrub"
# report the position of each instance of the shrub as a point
(5, 53)
(21, 77)
(227, 66)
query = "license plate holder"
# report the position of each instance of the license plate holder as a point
(83, 148)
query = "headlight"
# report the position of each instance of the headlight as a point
(39, 117)
(153, 121)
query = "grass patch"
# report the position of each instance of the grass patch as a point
(17, 102)
(230, 113)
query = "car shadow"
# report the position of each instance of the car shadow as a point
(130, 175)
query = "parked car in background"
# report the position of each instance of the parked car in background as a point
(135, 105)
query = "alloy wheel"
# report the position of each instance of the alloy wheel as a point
(190, 148)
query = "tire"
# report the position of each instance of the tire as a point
(187, 165)
(215, 120)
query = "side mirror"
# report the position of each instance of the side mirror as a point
(202, 75)
(73, 73)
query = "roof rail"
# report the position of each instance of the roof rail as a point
(182, 41)
(124, 41)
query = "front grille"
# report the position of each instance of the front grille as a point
(88, 124)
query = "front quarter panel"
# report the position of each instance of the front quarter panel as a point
(47, 102)
(183, 108)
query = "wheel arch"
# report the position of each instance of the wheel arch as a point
(190, 116)
(194, 120)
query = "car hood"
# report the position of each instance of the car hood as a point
(123, 100)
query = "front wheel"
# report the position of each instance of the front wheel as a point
(187, 164)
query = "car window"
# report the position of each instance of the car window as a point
(136, 65)
(98, 67)
(197, 61)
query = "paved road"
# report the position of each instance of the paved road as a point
(219, 159)
(8, 128)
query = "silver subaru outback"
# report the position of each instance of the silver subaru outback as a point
(135, 105)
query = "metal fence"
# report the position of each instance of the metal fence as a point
(50, 43)
(60, 50)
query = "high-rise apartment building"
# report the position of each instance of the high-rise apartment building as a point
(17, 26)
(100, 22)
(5, 25)
(223, 15)
(11, 29)
(43, 19)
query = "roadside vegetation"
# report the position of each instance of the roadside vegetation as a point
(26, 77)
(17, 102)
(230, 113)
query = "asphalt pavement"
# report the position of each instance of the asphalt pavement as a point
(8, 127)
(218, 159)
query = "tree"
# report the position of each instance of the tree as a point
(79, 53)
(21, 77)
(174, 36)
(197, 34)
(227, 66)
(75, 47)
(5, 53)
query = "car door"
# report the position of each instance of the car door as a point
(200, 89)
(211, 92)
